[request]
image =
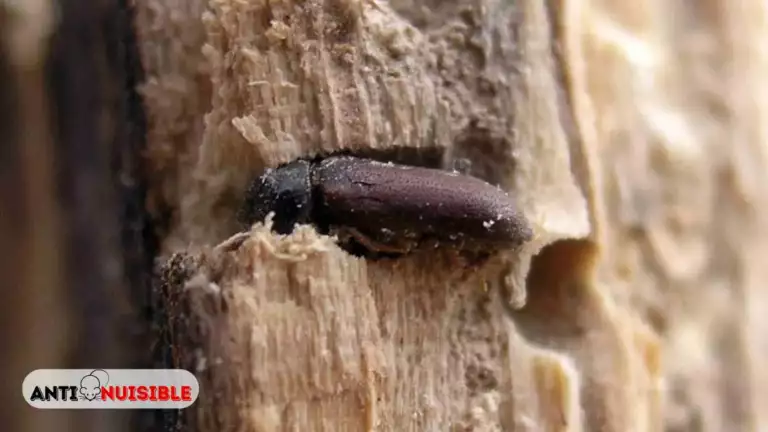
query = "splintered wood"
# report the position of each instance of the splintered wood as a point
(630, 133)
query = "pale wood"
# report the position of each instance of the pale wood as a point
(631, 133)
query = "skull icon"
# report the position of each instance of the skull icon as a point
(91, 384)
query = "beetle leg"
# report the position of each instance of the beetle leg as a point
(373, 245)
(476, 259)
(468, 264)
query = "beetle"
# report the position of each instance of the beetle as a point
(386, 208)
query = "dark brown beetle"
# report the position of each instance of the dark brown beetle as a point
(387, 208)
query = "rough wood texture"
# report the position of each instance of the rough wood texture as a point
(632, 136)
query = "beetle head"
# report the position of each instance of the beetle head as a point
(286, 191)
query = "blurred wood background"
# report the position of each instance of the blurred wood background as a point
(631, 133)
